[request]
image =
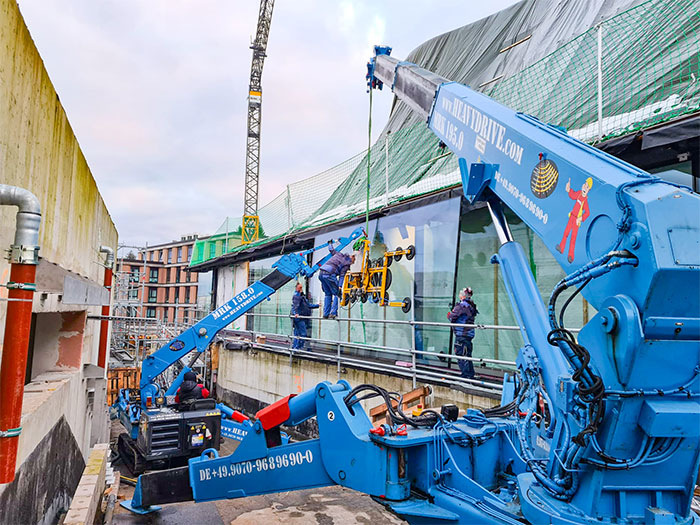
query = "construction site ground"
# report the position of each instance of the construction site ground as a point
(324, 506)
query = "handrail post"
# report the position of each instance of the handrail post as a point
(338, 345)
(413, 352)
(291, 351)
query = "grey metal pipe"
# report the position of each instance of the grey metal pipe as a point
(109, 258)
(25, 249)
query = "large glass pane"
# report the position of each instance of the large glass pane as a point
(427, 280)
(478, 242)
(279, 303)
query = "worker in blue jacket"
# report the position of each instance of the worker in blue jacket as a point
(464, 312)
(331, 276)
(300, 307)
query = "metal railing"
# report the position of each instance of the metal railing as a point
(412, 368)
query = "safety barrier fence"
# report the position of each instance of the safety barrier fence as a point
(414, 367)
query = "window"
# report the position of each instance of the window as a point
(187, 294)
(427, 279)
(179, 254)
(170, 255)
(189, 253)
(165, 315)
(133, 294)
(160, 255)
(186, 317)
(153, 275)
(188, 276)
(134, 277)
(151, 312)
(153, 295)
(680, 173)
(177, 274)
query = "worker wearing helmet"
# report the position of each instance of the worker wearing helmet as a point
(463, 313)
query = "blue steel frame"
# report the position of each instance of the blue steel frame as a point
(636, 258)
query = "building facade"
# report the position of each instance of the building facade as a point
(63, 410)
(415, 189)
(160, 285)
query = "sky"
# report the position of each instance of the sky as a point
(155, 91)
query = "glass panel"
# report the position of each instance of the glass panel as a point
(427, 280)
(279, 303)
(478, 242)
(680, 173)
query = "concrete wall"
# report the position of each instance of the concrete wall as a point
(39, 152)
(256, 378)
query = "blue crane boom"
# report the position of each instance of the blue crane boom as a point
(145, 444)
(619, 438)
(199, 336)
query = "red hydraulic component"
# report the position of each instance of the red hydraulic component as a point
(381, 430)
(378, 431)
(239, 417)
(275, 414)
(104, 324)
(14, 364)
(402, 430)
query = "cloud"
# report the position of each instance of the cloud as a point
(156, 94)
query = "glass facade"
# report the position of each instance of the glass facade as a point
(477, 243)
(454, 245)
(427, 280)
(279, 303)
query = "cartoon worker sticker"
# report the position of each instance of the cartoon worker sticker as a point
(578, 214)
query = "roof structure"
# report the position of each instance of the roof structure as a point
(599, 68)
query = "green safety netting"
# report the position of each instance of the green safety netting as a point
(635, 64)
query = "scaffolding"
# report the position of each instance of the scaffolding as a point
(135, 336)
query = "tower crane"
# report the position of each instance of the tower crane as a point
(251, 221)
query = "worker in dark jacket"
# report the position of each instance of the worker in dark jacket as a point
(464, 312)
(190, 390)
(331, 276)
(300, 308)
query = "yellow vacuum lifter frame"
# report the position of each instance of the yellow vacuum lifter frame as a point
(373, 280)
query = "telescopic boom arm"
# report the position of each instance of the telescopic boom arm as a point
(198, 337)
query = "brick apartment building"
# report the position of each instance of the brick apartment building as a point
(160, 286)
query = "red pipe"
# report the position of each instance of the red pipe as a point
(104, 324)
(14, 364)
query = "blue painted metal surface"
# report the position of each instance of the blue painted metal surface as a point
(618, 441)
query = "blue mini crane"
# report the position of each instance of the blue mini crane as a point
(618, 440)
(161, 432)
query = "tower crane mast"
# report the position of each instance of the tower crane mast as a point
(252, 151)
